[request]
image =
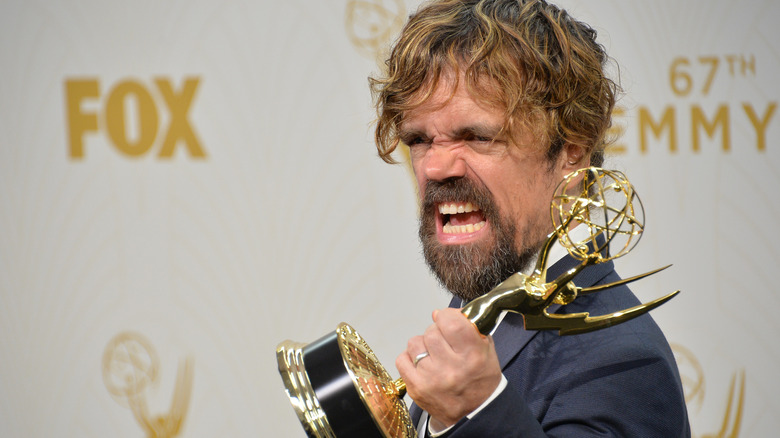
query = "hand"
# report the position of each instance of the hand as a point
(460, 372)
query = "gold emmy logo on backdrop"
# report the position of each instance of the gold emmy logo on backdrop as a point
(692, 376)
(371, 24)
(130, 365)
(131, 116)
(337, 385)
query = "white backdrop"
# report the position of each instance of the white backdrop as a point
(269, 217)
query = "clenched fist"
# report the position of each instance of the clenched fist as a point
(459, 373)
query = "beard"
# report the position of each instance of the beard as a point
(473, 269)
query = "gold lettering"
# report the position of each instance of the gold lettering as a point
(679, 78)
(667, 123)
(76, 90)
(713, 61)
(616, 131)
(698, 120)
(748, 65)
(147, 118)
(731, 60)
(180, 128)
(760, 125)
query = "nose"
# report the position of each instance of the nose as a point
(442, 162)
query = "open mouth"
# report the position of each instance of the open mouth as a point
(460, 218)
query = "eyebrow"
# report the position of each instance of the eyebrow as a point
(413, 132)
(479, 130)
(407, 136)
(473, 130)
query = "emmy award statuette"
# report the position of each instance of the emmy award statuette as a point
(338, 387)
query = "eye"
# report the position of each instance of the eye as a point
(418, 145)
(486, 144)
(478, 136)
(414, 141)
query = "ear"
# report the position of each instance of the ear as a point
(574, 157)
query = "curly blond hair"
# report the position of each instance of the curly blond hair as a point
(527, 57)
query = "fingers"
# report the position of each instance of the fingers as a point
(457, 331)
(419, 357)
(450, 336)
(459, 372)
(405, 361)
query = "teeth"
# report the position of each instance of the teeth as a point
(462, 229)
(454, 208)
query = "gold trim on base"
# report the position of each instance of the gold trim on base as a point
(378, 391)
(289, 356)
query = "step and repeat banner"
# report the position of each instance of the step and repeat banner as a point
(185, 184)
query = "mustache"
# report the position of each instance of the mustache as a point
(457, 189)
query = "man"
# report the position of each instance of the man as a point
(497, 101)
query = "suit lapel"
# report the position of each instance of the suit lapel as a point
(415, 412)
(511, 337)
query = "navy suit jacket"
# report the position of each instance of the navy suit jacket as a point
(621, 381)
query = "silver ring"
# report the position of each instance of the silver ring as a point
(420, 357)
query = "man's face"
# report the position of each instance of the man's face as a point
(485, 198)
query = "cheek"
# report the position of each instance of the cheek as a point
(418, 176)
(421, 182)
(529, 203)
(512, 197)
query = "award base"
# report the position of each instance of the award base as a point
(339, 388)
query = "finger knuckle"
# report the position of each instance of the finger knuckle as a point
(430, 337)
